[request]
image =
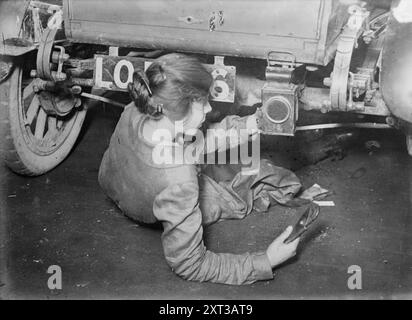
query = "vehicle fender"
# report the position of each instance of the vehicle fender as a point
(12, 13)
(396, 72)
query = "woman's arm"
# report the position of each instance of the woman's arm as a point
(230, 132)
(177, 208)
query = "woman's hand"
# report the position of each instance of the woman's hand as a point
(278, 252)
(252, 124)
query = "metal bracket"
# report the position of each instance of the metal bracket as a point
(46, 57)
(376, 27)
(347, 42)
(59, 58)
(224, 85)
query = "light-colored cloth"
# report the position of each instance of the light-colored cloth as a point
(185, 199)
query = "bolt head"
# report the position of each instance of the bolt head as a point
(76, 89)
(327, 82)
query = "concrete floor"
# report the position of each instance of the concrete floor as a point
(63, 218)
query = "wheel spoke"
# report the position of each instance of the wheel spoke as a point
(52, 131)
(33, 109)
(51, 128)
(40, 124)
(59, 124)
(52, 124)
(28, 90)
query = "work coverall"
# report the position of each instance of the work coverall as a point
(185, 199)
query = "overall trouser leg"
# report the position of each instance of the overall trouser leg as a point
(235, 197)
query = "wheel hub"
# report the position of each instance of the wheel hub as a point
(55, 104)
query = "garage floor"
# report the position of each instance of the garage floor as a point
(63, 218)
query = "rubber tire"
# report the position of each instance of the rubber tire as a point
(13, 149)
(409, 144)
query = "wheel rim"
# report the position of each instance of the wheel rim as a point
(44, 134)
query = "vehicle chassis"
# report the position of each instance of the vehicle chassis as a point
(58, 70)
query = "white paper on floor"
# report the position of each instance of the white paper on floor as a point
(314, 192)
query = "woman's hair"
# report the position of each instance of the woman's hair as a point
(170, 83)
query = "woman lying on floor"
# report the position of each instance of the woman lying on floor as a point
(173, 90)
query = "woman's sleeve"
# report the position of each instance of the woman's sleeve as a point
(177, 208)
(230, 132)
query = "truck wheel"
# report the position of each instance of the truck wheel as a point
(409, 143)
(33, 142)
